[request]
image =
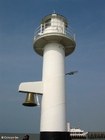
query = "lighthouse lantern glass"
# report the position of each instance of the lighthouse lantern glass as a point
(54, 24)
(48, 23)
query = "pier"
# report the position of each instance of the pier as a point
(93, 135)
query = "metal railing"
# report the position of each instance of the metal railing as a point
(54, 27)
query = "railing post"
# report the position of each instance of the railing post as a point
(74, 37)
(41, 28)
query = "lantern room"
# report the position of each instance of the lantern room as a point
(53, 23)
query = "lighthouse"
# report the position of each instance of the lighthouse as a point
(53, 40)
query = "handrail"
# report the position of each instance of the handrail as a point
(54, 27)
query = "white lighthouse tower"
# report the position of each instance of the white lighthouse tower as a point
(53, 40)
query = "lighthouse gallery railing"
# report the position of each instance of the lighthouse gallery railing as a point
(54, 27)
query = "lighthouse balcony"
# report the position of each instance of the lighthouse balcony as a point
(54, 28)
(54, 31)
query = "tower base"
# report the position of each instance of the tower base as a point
(55, 136)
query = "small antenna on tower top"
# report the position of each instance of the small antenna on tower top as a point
(54, 12)
(79, 124)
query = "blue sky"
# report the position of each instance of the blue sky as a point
(19, 63)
